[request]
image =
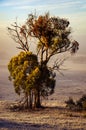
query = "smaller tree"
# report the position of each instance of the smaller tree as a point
(20, 67)
(30, 79)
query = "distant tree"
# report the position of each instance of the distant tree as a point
(31, 72)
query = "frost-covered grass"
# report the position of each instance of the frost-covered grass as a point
(56, 117)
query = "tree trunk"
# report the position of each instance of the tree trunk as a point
(35, 100)
(30, 100)
(38, 101)
(26, 100)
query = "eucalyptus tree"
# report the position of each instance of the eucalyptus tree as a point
(30, 71)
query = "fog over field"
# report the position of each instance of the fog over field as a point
(72, 84)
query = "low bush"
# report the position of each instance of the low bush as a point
(70, 103)
(78, 105)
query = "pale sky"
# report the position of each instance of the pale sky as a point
(73, 10)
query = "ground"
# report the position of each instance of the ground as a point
(50, 118)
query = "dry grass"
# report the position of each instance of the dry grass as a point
(50, 118)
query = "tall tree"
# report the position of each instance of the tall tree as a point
(51, 37)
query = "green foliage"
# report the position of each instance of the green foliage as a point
(47, 81)
(20, 67)
(32, 79)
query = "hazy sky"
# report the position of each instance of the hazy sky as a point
(73, 10)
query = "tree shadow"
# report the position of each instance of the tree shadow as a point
(11, 125)
(61, 108)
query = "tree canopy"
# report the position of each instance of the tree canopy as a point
(31, 72)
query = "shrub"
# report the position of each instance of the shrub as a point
(70, 103)
(81, 103)
(78, 105)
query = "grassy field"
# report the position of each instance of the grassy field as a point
(53, 117)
